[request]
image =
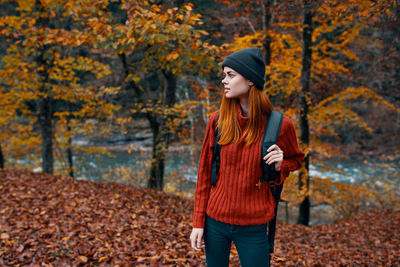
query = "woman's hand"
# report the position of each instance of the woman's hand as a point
(196, 238)
(275, 155)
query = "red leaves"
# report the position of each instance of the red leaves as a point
(56, 221)
(61, 221)
(370, 238)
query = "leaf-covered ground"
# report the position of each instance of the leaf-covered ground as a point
(58, 221)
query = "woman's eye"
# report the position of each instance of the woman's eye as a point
(229, 75)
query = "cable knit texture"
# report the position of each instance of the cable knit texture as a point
(235, 199)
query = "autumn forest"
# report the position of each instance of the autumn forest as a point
(104, 106)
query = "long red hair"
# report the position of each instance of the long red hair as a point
(228, 123)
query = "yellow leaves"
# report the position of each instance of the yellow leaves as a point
(291, 192)
(155, 8)
(248, 40)
(172, 56)
(353, 93)
(25, 76)
(111, 90)
(188, 7)
(171, 11)
(26, 5)
(104, 258)
(203, 32)
(9, 25)
(65, 69)
(126, 41)
(46, 4)
(290, 25)
(345, 198)
(336, 114)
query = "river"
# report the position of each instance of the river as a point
(181, 168)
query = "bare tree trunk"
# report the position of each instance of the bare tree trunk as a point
(161, 132)
(191, 118)
(205, 103)
(287, 211)
(160, 149)
(69, 148)
(45, 115)
(304, 178)
(267, 10)
(47, 134)
(1, 158)
(45, 102)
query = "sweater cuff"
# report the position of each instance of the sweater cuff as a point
(283, 173)
(199, 221)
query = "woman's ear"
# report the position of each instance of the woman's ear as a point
(251, 83)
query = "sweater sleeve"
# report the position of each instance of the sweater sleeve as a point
(203, 186)
(292, 155)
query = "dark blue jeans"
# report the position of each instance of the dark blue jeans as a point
(251, 242)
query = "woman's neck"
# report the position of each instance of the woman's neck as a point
(244, 105)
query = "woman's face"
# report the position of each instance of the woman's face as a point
(235, 85)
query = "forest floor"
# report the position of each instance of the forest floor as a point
(50, 220)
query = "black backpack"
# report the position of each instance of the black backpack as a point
(269, 174)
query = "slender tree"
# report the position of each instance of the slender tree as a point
(157, 45)
(267, 17)
(305, 96)
(1, 158)
(45, 108)
(69, 143)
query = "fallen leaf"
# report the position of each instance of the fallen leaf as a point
(83, 258)
(4, 236)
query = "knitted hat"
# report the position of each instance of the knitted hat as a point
(249, 62)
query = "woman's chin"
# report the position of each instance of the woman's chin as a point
(228, 95)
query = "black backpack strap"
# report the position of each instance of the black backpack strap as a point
(277, 190)
(271, 133)
(216, 158)
(269, 174)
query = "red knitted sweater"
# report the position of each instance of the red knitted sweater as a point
(235, 199)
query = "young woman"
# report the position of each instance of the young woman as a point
(235, 209)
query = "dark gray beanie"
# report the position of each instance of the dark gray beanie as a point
(249, 62)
